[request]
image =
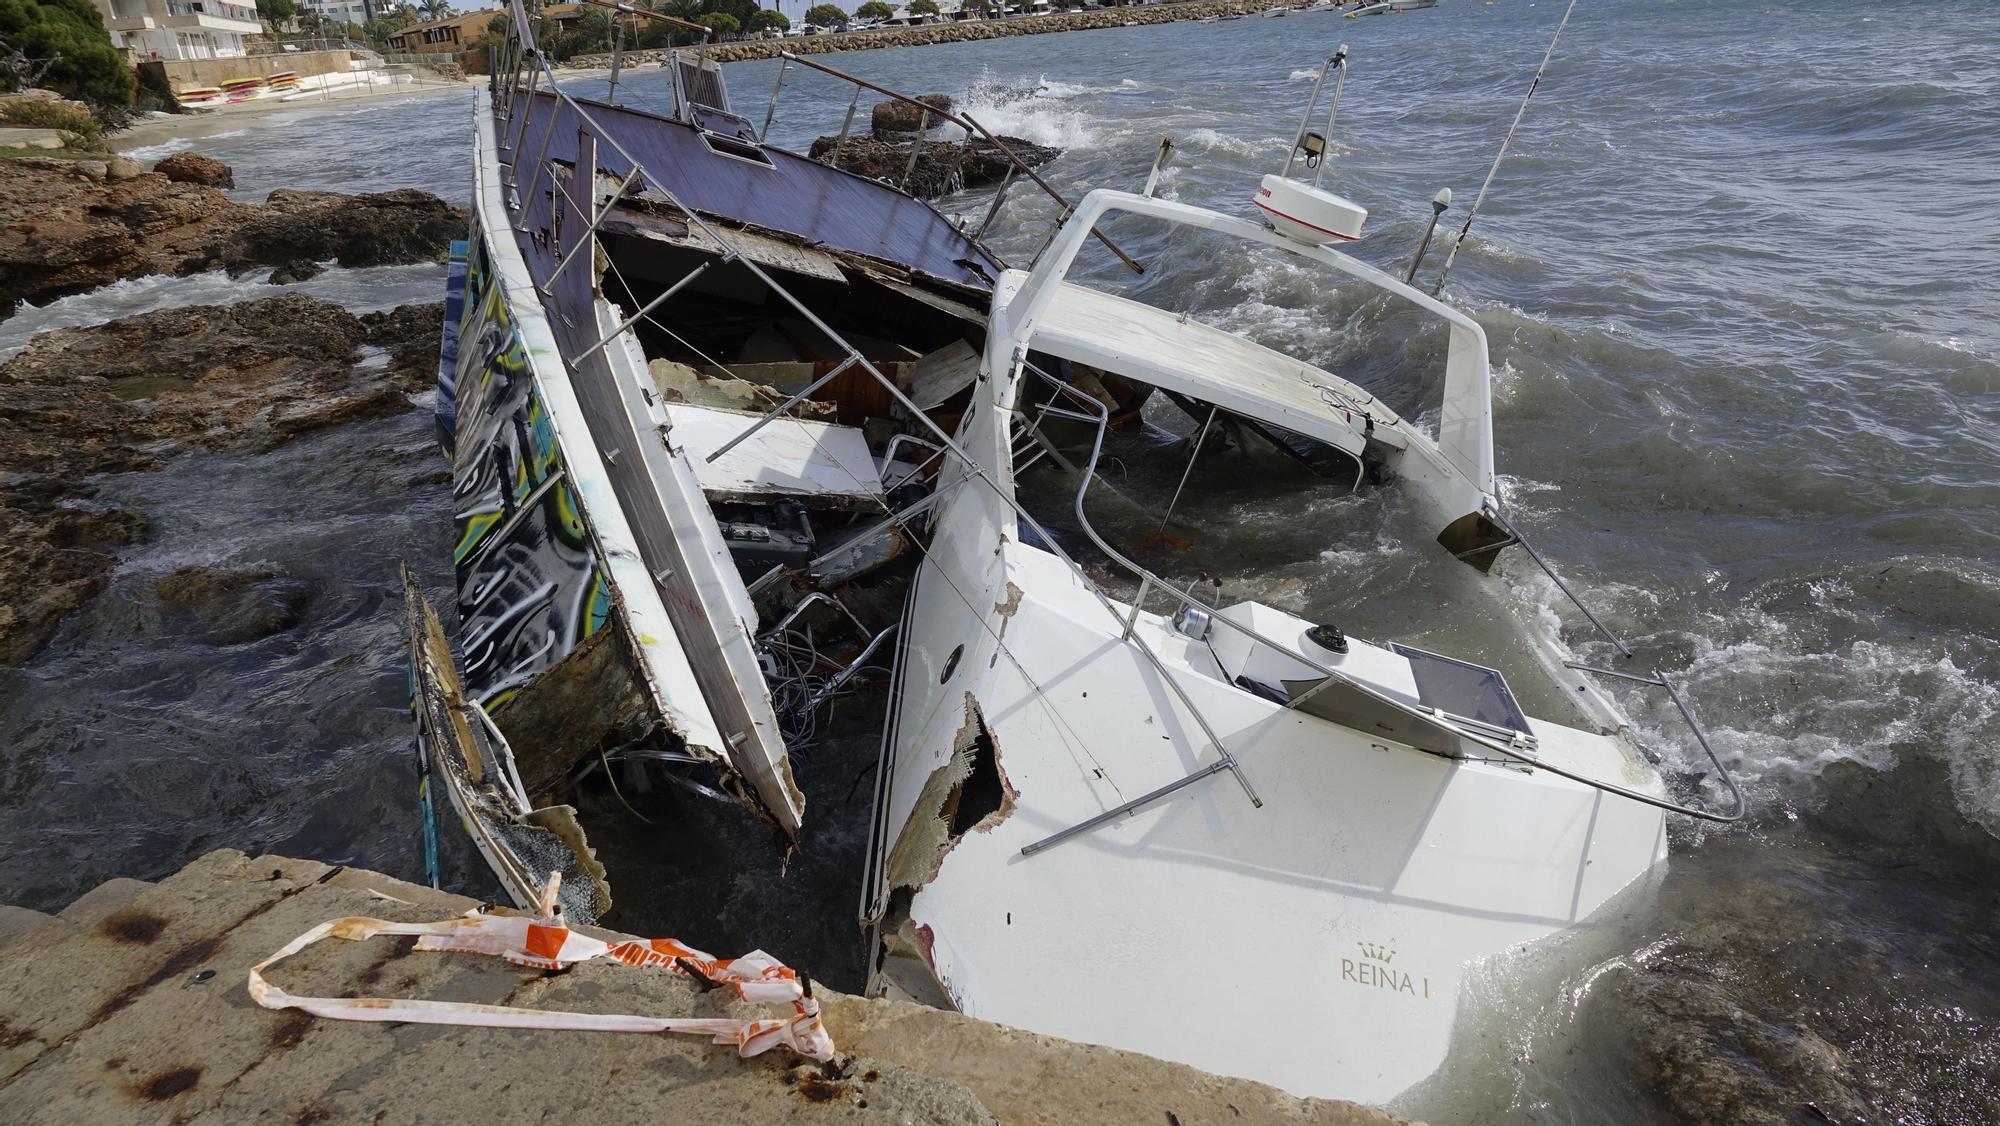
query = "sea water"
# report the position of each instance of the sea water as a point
(1740, 284)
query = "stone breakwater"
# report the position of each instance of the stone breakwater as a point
(129, 1006)
(965, 32)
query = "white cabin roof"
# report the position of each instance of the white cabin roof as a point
(1207, 363)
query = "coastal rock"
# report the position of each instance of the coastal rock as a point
(62, 233)
(293, 272)
(125, 396)
(194, 168)
(93, 170)
(1798, 992)
(893, 120)
(123, 168)
(235, 607)
(942, 166)
(53, 559)
(952, 32)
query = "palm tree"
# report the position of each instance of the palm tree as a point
(436, 9)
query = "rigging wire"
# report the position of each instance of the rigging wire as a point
(1502, 154)
(1041, 695)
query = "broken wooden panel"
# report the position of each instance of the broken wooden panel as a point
(472, 763)
(790, 458)
(572, 709)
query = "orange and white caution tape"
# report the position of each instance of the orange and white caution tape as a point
(547, 943)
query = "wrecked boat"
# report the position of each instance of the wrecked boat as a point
(1126, 801)
(685, 379)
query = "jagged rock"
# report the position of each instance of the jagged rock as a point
(292, 272)
(62, 234)
(123, 168)
(235, 607)
(382, 229)
(893, 121)
(194, 168)
(124, 396)
(410, 334)
(942, 166)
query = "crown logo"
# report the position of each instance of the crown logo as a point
(1380, 954)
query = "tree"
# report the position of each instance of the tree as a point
(722, 24)
(768, 20)
(592, 32)
(436, 9)
(875, 10)
(275, 12)
(819, 15)
(743, 10)
(923, 7)
(67, 38)
(498, 31)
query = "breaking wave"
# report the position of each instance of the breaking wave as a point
(1038, 111)
(365, 289)
(146, 154)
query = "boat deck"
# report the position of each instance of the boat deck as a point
(1183, 355)
(824, 206)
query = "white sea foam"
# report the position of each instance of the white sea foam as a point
(1780, 705)
(1037, 110)
(1216, 141)
(146, 154)
(375, 287)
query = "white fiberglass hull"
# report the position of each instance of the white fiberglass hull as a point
(1317, 941)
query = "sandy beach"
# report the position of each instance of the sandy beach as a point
(195, 124)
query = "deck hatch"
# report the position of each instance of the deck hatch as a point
(1463, 689)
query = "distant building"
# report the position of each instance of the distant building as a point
(180, 29)
(349, 13)
(460, 32)
(949, 11)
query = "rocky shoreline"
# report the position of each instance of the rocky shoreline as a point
(132, 394)
(965, 32)
(69, 226)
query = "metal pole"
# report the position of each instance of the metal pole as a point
(541, 159)
(1216, 767)
(1186, 473)
(617, 58)
(773, 414)
(655, 303)
(1438, 204)
(1502, 154)
(1305, 120)
(590, 231)
(845, 126)
(999, 197)
(776, 89)
(1326, 140)
(514, 146)
(1160, 162)
(916, 149)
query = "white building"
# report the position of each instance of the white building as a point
(949, 11)
(352, 13)
(180, 29)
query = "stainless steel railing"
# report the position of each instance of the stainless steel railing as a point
(1096, 413)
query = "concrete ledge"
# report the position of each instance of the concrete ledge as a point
(133, 1009)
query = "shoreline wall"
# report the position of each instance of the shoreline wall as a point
(129, 1007)
(969, 31)
(179, 74)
